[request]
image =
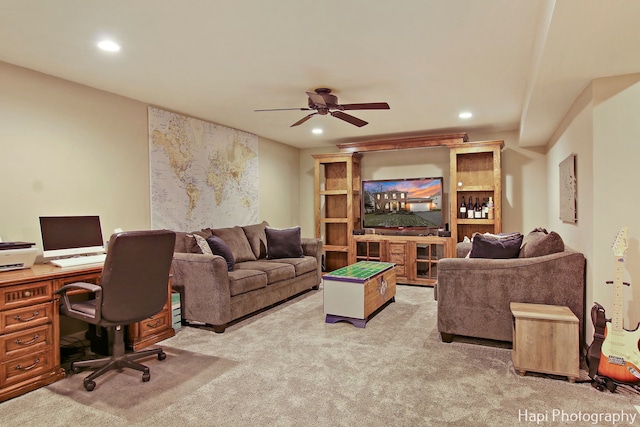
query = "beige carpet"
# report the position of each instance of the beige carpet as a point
(287, 367)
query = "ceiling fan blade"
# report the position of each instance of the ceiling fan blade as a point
(286, 109)
(349, 118)
(304, 119)
(317, 99)
(366, 106)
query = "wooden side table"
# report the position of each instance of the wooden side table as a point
(545, 339)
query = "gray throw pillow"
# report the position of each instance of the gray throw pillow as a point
(539, 243)
(283, 243)
(219, 247)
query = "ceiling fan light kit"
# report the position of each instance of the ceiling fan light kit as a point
(323, 103)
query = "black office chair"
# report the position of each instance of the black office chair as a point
(133, 287)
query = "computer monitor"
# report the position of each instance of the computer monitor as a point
(71, 235)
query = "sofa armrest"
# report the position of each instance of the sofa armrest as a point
(312, 246)
(474, 294)
(203, 283)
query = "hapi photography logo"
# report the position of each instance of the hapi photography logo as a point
(594, 418)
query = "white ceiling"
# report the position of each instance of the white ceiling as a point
(517, 64)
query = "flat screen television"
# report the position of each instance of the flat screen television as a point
(64, 236)
(410, 203)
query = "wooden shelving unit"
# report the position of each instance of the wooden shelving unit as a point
(475, 172)
(337, 204)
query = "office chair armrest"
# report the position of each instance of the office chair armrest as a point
(88, 287)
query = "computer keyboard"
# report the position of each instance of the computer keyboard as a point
(81, 260)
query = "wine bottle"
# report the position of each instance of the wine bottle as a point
(470, 212)
(477, 210)
(485, 208)
(462, 213)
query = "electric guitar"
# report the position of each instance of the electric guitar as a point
(620, 356)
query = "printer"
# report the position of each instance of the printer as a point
(17, 255)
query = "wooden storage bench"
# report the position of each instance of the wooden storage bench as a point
(545, 339)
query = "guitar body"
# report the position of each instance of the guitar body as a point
(620, 350)
(620, 357)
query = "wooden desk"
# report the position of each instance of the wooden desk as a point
(30, 327)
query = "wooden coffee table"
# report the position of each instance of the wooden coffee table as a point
(353, 293)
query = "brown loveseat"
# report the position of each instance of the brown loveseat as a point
(215, 290)
(474, 293)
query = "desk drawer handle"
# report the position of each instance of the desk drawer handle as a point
(28, 368)
(27, 294)
(150, 325)
(31, 341)
(34, 316)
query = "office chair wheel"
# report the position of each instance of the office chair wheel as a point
(75, 369)
(146, 377)
(89, 385)
(162, 355)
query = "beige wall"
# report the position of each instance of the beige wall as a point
(69, 149)
(600, 129)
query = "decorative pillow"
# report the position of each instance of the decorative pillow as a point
(237, 241)
(192, 245)
(202, 244)
(283, 243)
(538, 243)
(490, 247)
(257, 238)
(489, 236)
(219, 247)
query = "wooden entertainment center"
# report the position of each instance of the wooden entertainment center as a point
(475, 172)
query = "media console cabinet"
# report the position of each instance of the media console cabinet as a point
(416, 257)
(30, 325)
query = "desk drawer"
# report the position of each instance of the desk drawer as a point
(24, 342)
(22, 368)
(26, 317)
(27, 294)
(155, 323)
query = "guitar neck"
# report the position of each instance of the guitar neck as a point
(617, 322)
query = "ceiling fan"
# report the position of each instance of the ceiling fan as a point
(323, 102)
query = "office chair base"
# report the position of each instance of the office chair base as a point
(118, 362)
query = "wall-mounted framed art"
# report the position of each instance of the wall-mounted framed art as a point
(568, 190)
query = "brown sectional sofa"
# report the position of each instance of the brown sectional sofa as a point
(474, 294)
(215, 296)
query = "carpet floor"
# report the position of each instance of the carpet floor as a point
(287, 367)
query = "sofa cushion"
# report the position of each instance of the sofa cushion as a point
(275, 271)
(220, 247)
(257, 238)
(237, 241)
(242, 281)
(495, 247)
(283, 243)
(302, 265)
(540, 243)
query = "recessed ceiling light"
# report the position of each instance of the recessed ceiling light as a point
(465, 115)
(317, 131)
(109, 46)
